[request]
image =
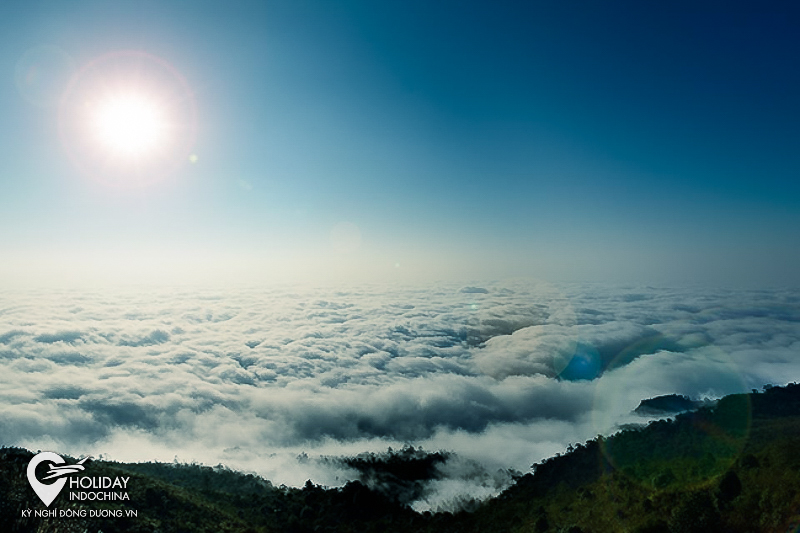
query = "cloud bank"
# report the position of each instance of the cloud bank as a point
(502, 374)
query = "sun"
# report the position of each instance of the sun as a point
(129, 125)
(128, 119)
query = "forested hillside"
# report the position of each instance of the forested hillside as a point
(733, 466)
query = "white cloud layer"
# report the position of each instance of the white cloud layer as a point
(255, 378)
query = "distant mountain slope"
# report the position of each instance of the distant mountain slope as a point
(731, 467)
(667, 405)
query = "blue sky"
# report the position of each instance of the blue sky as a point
(614, 140)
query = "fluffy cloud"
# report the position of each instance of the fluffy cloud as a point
(253, 378)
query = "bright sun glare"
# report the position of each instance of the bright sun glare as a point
(128, 118)
(129, 125)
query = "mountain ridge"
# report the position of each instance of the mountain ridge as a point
(731, 466)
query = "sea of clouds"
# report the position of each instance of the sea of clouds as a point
(503, 374)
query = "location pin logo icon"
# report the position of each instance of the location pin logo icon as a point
(46, 492)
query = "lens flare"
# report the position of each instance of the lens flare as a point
(721, 429)
(42, 74)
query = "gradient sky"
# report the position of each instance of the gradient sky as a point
(400, 140)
